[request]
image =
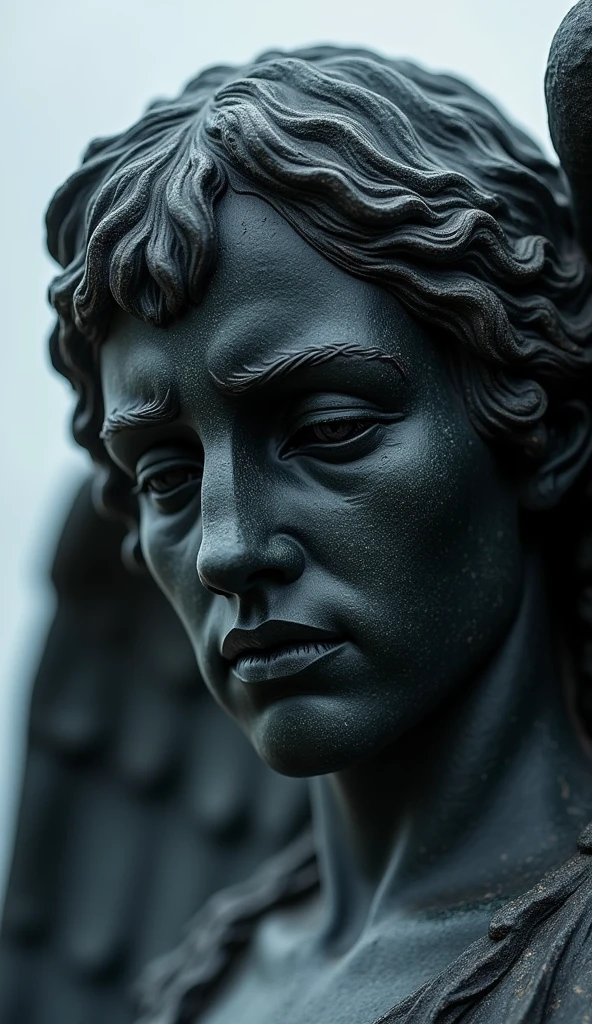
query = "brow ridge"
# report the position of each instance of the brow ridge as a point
(250, 377)
(143, 413)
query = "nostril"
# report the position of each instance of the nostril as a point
(231, 569)
(212, 580)
(214, 590)
(240, 581)
(224, 575)
(267, 575)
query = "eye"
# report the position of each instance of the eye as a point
(330, 432)
(170, 482)
(335, 433)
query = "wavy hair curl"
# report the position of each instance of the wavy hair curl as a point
(405, 178)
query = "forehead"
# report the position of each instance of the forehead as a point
(271, 294)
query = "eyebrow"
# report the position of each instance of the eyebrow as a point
(143, 413)
(255, 376)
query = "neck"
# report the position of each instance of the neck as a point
(474, 804)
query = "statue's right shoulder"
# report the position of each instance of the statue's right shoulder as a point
(176, 987)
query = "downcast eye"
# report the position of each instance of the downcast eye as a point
(334, 431)
(164, 483)
(168, 477)
(329, 432)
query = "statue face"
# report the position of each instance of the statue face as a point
(341, 546)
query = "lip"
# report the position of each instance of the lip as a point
(277, 649)
(259, 666)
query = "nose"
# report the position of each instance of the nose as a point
(242, 547)
(233, 564)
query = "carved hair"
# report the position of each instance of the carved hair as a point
(408, 179)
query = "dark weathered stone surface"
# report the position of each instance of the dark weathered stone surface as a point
(329, 320)
(535, 964)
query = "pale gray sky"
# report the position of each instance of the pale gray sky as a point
(71, 70)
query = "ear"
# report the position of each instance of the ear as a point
(569, 448)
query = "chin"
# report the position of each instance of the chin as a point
(306, 736)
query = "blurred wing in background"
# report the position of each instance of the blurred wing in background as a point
(139, 797)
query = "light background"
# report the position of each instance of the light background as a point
(74, 69)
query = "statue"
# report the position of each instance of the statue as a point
(329, 322)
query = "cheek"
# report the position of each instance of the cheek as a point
(427, 540)
(170, 545)
(458, 542)
(447, 509)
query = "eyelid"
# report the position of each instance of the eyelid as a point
(161, 466)
(362, 412)
(325, 401)
(373, 416)
(159, 453)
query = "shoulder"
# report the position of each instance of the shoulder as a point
(179, 984)
(534, 965)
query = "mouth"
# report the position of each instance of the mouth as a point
(277, 649)
(275, 663)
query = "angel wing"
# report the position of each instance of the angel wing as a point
(568, 89)
(139, 799)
